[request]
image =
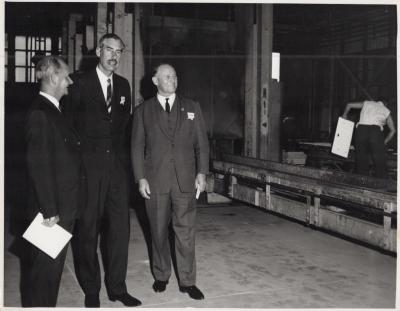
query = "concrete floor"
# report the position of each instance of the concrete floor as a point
(247, 258)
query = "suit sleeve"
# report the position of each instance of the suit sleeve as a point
(201, 146)
(40, 160)
(138, 144)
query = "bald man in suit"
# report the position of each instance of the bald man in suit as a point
(170, 155)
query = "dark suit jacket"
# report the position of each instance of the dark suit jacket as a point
(54, 162)
(151, 144)
(86, 109)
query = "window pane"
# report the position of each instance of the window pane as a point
(48, 44)
(30, 55)
(20, 42)
(59, 44)
(19, 74)
(42, 44)
(20, 58)
(32, 75)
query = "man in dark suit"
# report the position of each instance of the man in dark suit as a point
(55, 173)
(170, 155)
(100, 109)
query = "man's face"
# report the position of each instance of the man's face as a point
(109, 53)
(64, 81)
(166, 80)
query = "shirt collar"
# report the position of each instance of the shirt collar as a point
(171, 99)
(52, 99)
(103, 78)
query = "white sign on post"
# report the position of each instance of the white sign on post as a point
(343, 135)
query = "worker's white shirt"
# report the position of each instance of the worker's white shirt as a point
(373, 113)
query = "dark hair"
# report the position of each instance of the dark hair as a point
(48, 65)
(111, 36)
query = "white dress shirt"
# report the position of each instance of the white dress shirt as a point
(103, 81)
(171, 100)
(53, 100)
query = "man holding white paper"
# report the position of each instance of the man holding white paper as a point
(55, 175)
(170, 153)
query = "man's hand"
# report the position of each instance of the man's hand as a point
(200, 182)
(50, 222)
(144, 188)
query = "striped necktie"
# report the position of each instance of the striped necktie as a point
(109, 95)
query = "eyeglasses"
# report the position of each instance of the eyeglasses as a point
(109, 49)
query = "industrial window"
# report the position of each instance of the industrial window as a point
(25, 48)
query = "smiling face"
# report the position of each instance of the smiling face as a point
(165, 80)
(109, 53)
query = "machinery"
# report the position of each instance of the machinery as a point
(354, 206)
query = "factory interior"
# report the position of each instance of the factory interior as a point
(284, 221)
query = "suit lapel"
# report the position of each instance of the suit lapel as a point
(98, 92)
(59, 119)
(115, 109)
(181, 105)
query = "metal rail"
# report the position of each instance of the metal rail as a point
(302, 193)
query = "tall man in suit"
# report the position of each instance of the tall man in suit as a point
(101, 111)
(170, 155)
(56, 176)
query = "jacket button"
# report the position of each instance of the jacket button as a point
(108, 151)
(78, 143)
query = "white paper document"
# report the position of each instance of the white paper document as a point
(50, 240)
(343, 135)
(197, 192)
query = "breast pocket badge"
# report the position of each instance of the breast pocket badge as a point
(190, 115)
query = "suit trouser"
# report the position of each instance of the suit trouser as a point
(180, 208)
(45, 274)
(369, 140)
(106, 215)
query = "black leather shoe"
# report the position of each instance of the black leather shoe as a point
(126, 299)
(193, 292)
(159, 286)
(92, 301)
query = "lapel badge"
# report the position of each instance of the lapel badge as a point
(122, 102)
(190, 115)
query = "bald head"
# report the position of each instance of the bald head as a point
(165, 79)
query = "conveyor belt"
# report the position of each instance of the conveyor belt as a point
(304, 194)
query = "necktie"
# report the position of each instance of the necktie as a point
(167, 107)
(109, 95)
